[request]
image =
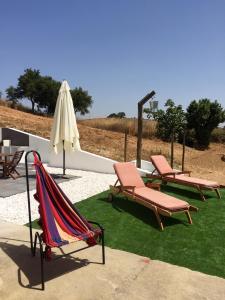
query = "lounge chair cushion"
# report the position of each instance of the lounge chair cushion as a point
(161, 164)
(192, 180)
(160, 200)
(128, 174)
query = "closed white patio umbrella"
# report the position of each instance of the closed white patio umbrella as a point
(64, 133)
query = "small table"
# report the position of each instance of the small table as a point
(4, 162)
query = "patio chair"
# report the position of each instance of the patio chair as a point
(167, 174)
(132, 186)
(9, 168)
(60, 221)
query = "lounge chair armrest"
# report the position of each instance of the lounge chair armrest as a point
(170, 173)
(153, 176)
(128, 187)
(176, 173)
(186, 172)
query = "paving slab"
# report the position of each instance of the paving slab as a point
(81, 276)
(9, 186)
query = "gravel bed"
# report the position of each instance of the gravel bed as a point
(14, 209)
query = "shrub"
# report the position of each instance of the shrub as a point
(218, 135)
(204, 116)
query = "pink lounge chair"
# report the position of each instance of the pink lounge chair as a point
(167, 174)
(133, 187)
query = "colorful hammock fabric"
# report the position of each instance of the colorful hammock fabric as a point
(60, 221)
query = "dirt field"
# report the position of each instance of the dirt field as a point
(206, 164)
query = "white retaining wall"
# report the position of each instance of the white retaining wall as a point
(83, 160)
(146, 167)
(40, 145)
(35, 143)
(80, 160)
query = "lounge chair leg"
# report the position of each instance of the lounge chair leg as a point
(201, 194)
(218, 193)
(110, 197)
(193, 208)
(189, 217)
(158, 218)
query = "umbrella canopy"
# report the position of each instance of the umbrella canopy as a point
(64, 133)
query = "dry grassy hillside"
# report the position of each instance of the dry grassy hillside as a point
(206, 164)
(121, 125)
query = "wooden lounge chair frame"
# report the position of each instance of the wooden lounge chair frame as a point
(165, 178)
(38, 236)
(120, 189)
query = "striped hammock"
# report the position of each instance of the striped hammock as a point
(60, 221)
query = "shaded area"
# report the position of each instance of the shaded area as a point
(10, 187)
(29, 266)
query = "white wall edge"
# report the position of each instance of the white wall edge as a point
(80, 160)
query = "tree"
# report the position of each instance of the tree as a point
(27, 86)
(42, 91)
(12, 95)
(203, 116)
(113, 115)
(46, 93)
(119, 115)
(168, 121)
(0, 94)
(81, 100)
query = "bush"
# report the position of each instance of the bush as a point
(190, 139)
(4, 103)
(119, 115)
(218, 135)
(204, 116)
(172, 120)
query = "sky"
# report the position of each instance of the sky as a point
(118, 50)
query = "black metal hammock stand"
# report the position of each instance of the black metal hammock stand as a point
(60, 221)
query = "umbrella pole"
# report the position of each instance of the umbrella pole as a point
(64, 160)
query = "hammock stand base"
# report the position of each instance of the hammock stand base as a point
(38, 237)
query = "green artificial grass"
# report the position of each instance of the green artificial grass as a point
(132, 227)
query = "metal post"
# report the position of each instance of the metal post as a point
(64, 160)
(125, 145)
(183, 153)
(28, 198)
(172, 148)
(139, 138)
(140, 125)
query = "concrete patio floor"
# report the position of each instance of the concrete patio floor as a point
(81, 276)
(9, 186)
